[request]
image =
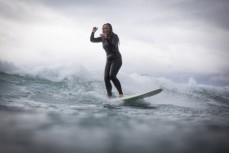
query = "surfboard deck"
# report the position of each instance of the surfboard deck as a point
(139, 96)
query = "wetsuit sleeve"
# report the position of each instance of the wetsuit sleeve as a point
(114, 41)
(93, 39)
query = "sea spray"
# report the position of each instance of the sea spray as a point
(64, 109)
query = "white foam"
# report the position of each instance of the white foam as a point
(132, 83)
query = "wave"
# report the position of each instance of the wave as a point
(75, 82)
(8, 67)
(46, 100)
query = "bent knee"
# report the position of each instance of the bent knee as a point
(106, 77)
(112, 77)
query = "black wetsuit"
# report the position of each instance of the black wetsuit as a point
(114, 61)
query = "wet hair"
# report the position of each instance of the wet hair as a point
(111, 31)
(110, 26)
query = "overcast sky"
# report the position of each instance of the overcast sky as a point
(166, 38)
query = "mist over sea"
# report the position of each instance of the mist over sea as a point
(64, 109)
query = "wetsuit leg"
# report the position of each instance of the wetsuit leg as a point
(115, 66)
(107, 78)
(111, 70)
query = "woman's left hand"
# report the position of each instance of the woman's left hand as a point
(104, 36)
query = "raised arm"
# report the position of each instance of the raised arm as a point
(92, 38)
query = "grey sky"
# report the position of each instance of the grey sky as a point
(169, 37)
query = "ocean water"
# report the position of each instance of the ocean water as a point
(51, 110)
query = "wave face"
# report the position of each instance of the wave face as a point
(64, 109)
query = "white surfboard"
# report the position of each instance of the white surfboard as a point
(140, 96)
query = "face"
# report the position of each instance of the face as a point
(106, 29)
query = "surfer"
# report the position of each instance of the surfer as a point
(110, 43)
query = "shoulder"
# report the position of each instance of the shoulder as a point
(115, 35)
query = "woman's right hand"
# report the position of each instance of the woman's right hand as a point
(94, 29)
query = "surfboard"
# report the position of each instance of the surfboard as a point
(140, 96)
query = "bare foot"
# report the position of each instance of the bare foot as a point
(120, 96)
